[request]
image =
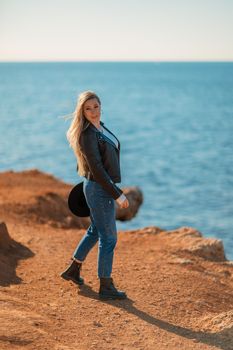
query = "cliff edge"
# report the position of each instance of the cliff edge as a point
(179, 283)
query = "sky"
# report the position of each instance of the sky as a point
(116, 30)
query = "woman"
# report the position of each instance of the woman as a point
(98, 154)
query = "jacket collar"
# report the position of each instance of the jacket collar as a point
(87, 123)
(92, 126)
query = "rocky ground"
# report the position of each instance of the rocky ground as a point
(179, 284)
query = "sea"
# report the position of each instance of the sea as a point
(174, 121)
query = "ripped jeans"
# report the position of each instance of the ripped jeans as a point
(102, 228)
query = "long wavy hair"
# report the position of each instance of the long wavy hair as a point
(77, 125)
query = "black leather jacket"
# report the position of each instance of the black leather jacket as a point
(102, 158)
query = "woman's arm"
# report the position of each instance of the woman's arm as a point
(121, 199)
(90, 149)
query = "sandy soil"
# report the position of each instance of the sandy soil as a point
(179, 284)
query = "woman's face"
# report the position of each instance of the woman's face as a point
(91, 110)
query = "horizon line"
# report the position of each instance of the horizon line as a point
(117, 61)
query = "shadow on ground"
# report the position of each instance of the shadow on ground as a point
(221, 339)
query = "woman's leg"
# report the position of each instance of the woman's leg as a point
(103, 211)
(107, 239)
(104, 216)
(87, 242)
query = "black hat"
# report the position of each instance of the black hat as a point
(77, 201)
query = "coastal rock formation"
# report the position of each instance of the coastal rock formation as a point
(42, 198)
(4, 237)
(11, 252)
(190, 240)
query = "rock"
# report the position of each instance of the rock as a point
(5, 238)
(52, 208)
(188, 239)
(11, 252)
(210, 249)
(147, 230)
(184, 232)
(182, 261)
(218, 323)
(34, 196)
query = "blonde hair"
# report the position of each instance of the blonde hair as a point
(76, 127)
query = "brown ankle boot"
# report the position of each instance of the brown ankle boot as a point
(72, 273)
(108, 290)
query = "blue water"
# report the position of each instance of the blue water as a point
(174, 121)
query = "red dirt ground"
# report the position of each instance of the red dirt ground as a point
(179, 285)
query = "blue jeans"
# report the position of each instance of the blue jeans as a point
(102, 228)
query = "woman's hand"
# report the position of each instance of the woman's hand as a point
(122, 201)
(125, 204)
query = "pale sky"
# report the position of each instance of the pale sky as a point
(116, 30)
